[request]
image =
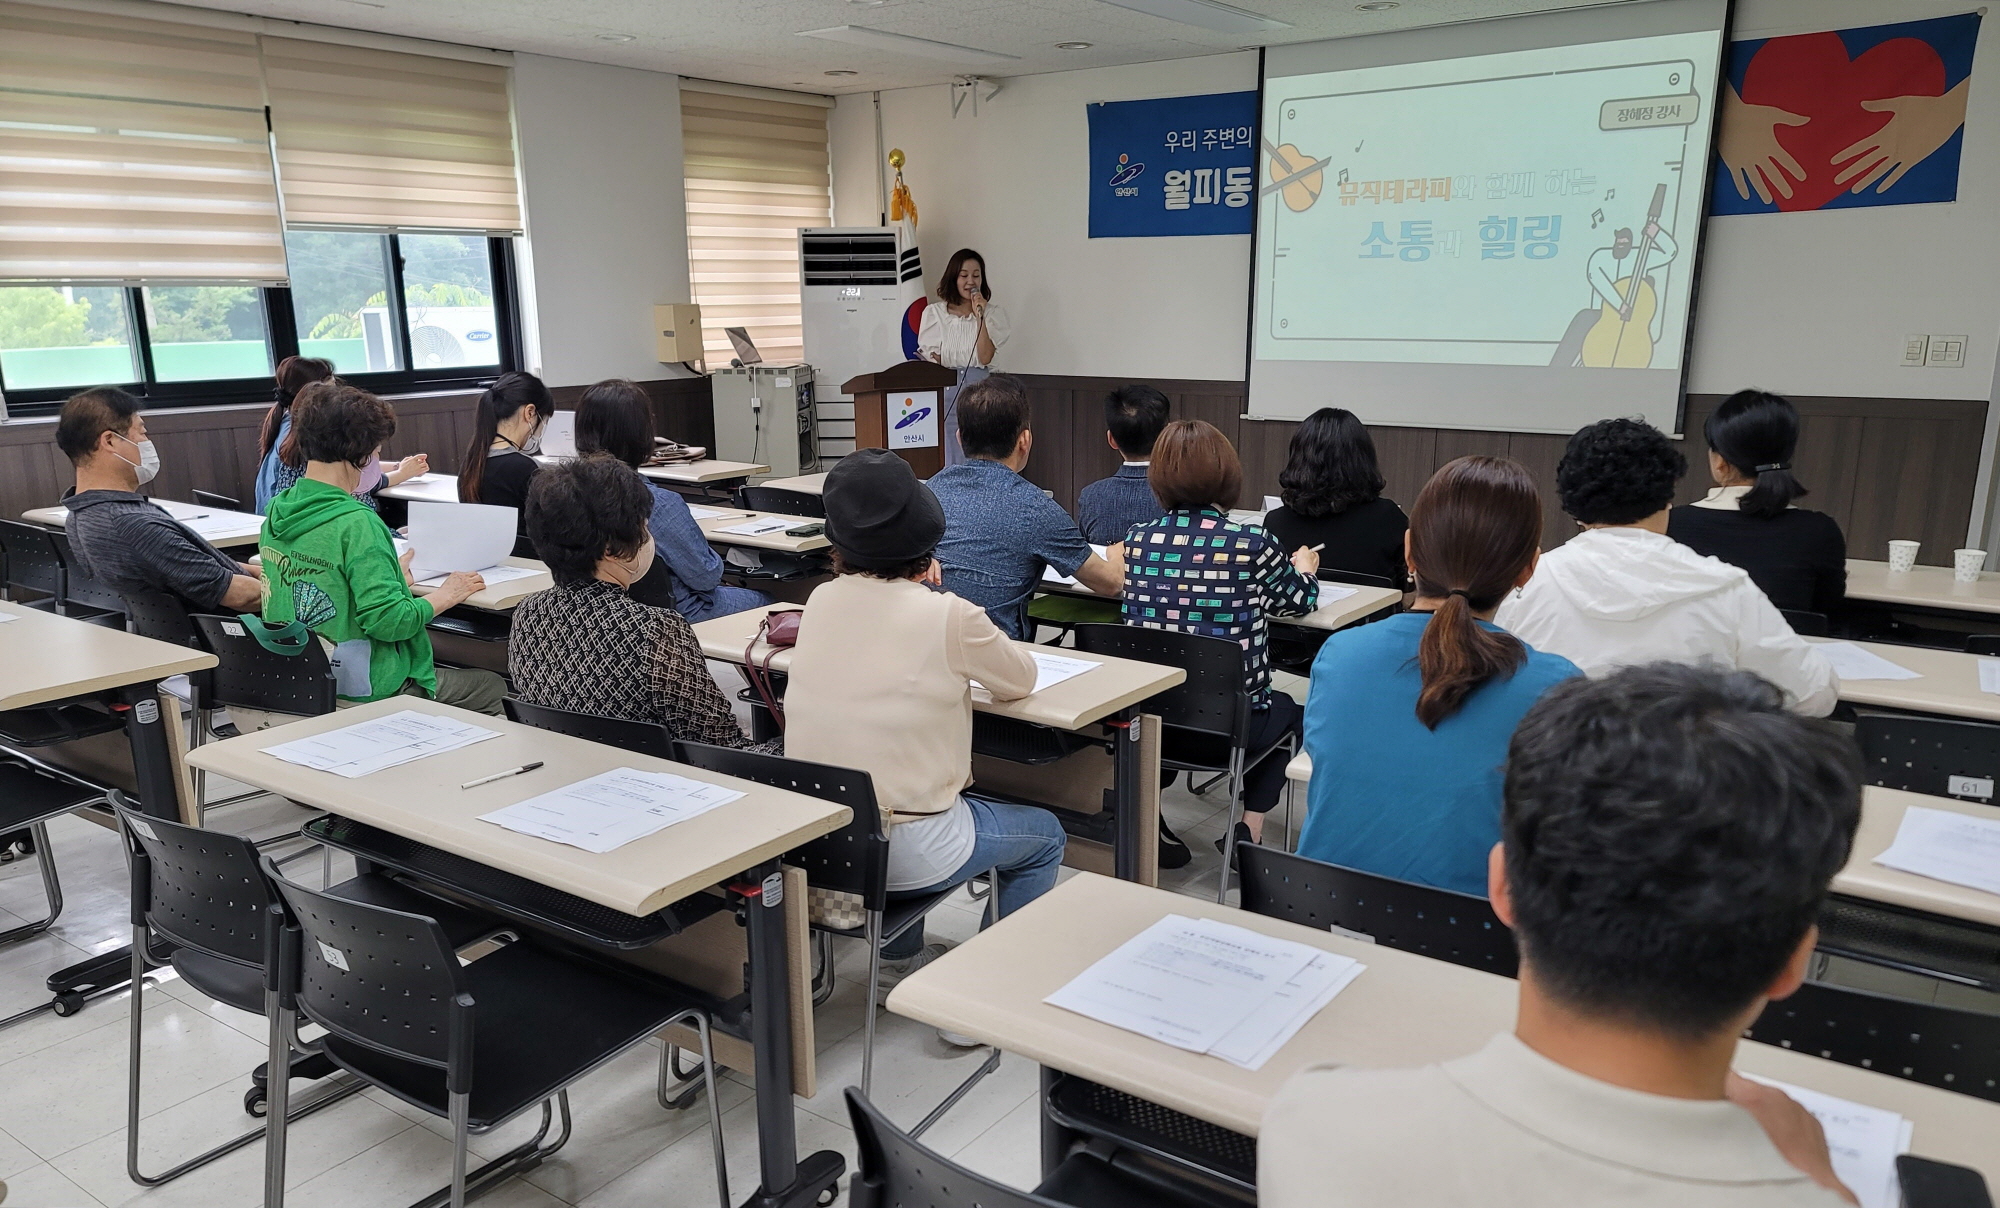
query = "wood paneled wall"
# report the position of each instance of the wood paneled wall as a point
(215, 448)
(1883, 468)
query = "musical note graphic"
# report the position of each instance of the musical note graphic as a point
(1610, 193)
(1359, 145)
(1596, 217)
(1342, 178)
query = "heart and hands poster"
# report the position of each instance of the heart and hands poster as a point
(1845, 118)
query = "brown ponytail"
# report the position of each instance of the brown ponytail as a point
(1474, 528)
(507, 395)
(293, 375)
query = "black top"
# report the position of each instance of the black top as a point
(505, 484)
(1798, 557)
(1366, 539)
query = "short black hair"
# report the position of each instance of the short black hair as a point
(1618, 471)
(88, 414)
(584, 509)
(1670, 832)
(1134, 416)
(992, 414)
(337, 421)
(1330, 465)
(615, 416)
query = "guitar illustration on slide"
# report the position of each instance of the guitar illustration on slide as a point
(1621, 330)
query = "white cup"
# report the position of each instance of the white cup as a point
(1966, 565)
(1902, 556)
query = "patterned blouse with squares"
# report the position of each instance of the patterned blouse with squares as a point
(1197, 571)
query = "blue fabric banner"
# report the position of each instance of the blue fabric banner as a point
(1184, 165)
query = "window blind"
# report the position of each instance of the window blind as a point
(756, 169)
(133, 149)
(384, 141)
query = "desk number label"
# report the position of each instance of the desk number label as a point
(1970, 786)
(333, 956)
(147, 711)
(144, 830)
(774, 889)
(233, 628)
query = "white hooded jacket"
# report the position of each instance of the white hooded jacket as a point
(1613, 597)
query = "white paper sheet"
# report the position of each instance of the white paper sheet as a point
(1267, 1029)
(1049, 574)
(706, 513)
(1050, 670)
(1183, 981)
(1945, 846)
(459, 536)
(1989, 675)
(1333, 593)
(215, 525)
(1862, 1140)
(494, 575)
(559, 435)
(762, 526)
(8, 616)
(612, 809)
(385, 742)
(1851, 662)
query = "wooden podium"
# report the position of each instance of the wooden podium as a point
(901, 409)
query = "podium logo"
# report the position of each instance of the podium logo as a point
(913, 417)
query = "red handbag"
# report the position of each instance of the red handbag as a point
(778, 631)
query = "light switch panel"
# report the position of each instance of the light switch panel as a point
(1915, 350)
(1946, 352)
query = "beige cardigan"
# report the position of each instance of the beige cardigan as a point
(880, 681)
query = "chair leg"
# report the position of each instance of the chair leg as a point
(1235, 775)
(964, 1088)
(278, 1099)
(461, 1139)
(51, 887)
(868, 1006)
(824, 978)
(701, 1025)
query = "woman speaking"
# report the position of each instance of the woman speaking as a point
(963, 334)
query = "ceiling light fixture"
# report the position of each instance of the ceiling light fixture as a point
(882, 39)
(842, 71)
(1208, 14)
(617, 37)
(1072, 46)
(1377, 6)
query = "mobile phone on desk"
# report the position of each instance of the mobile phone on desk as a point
(1929, 1184)
(806, 530)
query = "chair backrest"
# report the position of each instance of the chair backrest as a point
(1438, 923)
(79, 587)
(200, 889)
(1983, 643)
(1212, 700)
(378, 977)
(164, 617)
(209, 499)
(891, 1168)
(1805, 624)
(1919, 1041)
(32, 560)
(1331, 574)
(249, 676)
(1934, 755)
(643, 737)
(853, 859)
(781, 501)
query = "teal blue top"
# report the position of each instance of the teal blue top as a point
(1390, 796)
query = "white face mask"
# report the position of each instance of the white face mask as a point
(625, 573)
(148, 464)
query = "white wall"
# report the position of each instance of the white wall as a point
(607, 223)
(1811, 304)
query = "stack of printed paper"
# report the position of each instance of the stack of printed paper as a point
(1863, 1142)
(612, 808)
(1947, 846)
(1210, 987)
(370, 746)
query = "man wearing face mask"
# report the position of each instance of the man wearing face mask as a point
(121, 538)
(585, 645)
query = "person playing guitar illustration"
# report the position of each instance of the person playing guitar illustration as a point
(1622, 326)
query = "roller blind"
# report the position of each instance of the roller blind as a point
(756, 171)
(133, 149)
(379, 140)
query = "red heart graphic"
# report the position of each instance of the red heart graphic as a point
(1811, 75)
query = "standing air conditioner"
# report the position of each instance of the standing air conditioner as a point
(851, 310)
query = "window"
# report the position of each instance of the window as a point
(392, 312)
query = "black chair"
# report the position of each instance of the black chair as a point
(1983, 643)
(1922, 1042)
(642, 737)
(1806, 624)
(85, 596)
(891, 1169)
(1355, 578)
(38, 560)
(853, 860)
(1205, 720)
(290, 675)
(203, 893)
(31, 793)
(1437, 923)
(781, 501)
(165, 617)
(1927, 754)
(209, 499)
(477, 1044)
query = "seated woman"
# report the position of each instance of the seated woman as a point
(1332, 490)
(279, 462)
(881, 680)
(1798, 557)
(616, 417)
(1169, 585)
(500, 460)
(584, 645)
(1409, 718)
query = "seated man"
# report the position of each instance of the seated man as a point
(1622, 592)
(120, 538)
(1000, 530)
(1668, 836)
(332, 564)
(1107, 509)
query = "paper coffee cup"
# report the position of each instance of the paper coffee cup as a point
(1902, 556)
(1966, 565)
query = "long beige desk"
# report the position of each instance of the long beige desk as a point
(443, 488)
(1881, 814)
(1404, 1010)
(713, 520)
(1926, 587)
(704, 472)
(502, 597)
(1947, 683)
(1338, 614)
(221, 528)
(810, 484)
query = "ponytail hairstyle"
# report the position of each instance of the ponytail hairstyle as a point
(1474, 528)
(502, 400)
(1756, 432)
(294, 374)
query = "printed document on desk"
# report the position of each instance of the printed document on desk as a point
(1049, 574)
(1332, 593)
(1050, 670)
(494, 575)
(611, 809)
(706, 513)
(459, 536)
(1862, 1140)
(761, 527)
(1267, 1029)
(1947, 846)
(384, 742)
(1851, 662)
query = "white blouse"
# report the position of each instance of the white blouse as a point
(952, 340)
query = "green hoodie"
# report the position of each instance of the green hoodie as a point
(331, 564)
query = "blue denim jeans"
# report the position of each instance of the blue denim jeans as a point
(727, 600)
(1023, 842)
